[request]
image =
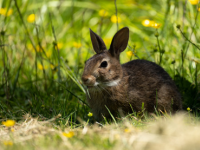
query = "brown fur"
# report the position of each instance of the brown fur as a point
(136, 82)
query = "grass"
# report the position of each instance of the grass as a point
(177, 132)
(43, 47)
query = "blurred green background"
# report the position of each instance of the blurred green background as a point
(44, 44)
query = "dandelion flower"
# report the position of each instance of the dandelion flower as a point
(90, 114)
(12, 130)
(4, 12)
(156, 25)
(146, 22)
(150, 23)
(68, 134)
(194, 2)
(77, 45)
(103, 13)
(38, 48)
(188, 109)
(129, 53)
(8, 123)
(48, 53)
(60, 45)
(42, 67)
(8, 143)
(115, 19)
(107, 41)
(31, 18)
(127, 130)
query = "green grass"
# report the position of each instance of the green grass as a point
(42, 62)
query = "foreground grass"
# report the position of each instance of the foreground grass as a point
(170, 132)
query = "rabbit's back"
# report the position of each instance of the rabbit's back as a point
(150, 84)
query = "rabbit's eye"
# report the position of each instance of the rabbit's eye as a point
(104, 64)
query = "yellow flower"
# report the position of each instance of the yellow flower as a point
(68, 134)
(155, 25)
(48, 53)
(42, 67)
(52, 66)
(38, 48)
(150, 23)
(146, 23)
(8, 143)
(8, 123)
(188, 109)
(114, 19)
(31, 18)
(90, 114)
(12, 130)
(60, 45)
(107, 41)
(127, 130)
(77, 45)
(103, 13)
(129, 53)
(199, 9)
(4, 10)
(194, 2)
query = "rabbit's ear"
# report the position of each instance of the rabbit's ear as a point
(119, 42)
(97, 42)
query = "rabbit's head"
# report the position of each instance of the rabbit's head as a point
(104, 67)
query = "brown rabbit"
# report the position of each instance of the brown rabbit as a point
(112, 86)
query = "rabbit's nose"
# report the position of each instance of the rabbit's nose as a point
(85, 79)
(88, 80)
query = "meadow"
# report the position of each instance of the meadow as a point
(43, 48)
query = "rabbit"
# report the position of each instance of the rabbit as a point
(127, 87)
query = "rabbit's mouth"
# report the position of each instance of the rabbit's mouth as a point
(112, 83)
(91, 86)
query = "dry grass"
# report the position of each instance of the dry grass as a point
(179, 132)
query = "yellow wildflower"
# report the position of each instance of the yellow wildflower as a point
(60, 45)
(103, 13)
(77, 45)
(146, 23)
(127, 130)
(31, 18)
(68, 134)
(114, 19)
(194, 2)
(52, 66)
(42, 67)
(8, 143)
(107, 41)
(90, 114)
(188, 109)
(12, 130)
(8, 123)
(48, 53)
(155, 25)
(150, 23)
(129, 53)
(199, 9)
(4, 10)
(38, 48)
